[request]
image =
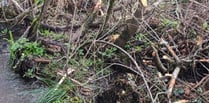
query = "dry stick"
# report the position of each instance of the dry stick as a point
(63, 78)
(64, 28)
(42, 60)
(161, 68)
(18, 17)
(17, 5)
(176, 70)
(133, 60)
(173, 81)
(168, 59)
(170, 50)
(25, 32)
(196, 2)
(60, 81)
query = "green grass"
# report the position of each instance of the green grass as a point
(53, 96)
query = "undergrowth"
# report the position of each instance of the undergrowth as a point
(119, 51)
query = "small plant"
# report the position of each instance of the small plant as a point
(53, 35)
(205, 25)
(5, 31)
(23, 50)
(108, 52)
(27, 48)
(38, 1)
(169, 23)
(198, 100)
(138, 42)
(183, 1)
(29, 73)
(179, 92)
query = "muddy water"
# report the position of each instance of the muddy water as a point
(14, 89)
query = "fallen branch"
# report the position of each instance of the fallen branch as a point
(170, 50)
(161, 68)
(42, 60)
(64, 75)
(203, 60)
(176, 70)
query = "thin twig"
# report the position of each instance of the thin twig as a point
(170, 50)
(17, 5)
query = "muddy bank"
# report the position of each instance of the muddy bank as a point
(13, 88)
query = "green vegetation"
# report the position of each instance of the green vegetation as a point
(53, 35)
(169, 23)
(109, 52)
(21, 50)
(26, 47)
(53, 96)
(5, 31)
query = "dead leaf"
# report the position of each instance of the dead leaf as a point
(199, 40)
(144, 3)
(113, 38)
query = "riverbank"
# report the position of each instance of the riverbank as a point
(13, 88)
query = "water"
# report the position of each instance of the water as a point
(14, 89)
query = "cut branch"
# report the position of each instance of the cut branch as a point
(173, 81)
(161, 68)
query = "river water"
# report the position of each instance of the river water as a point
(13, 89)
